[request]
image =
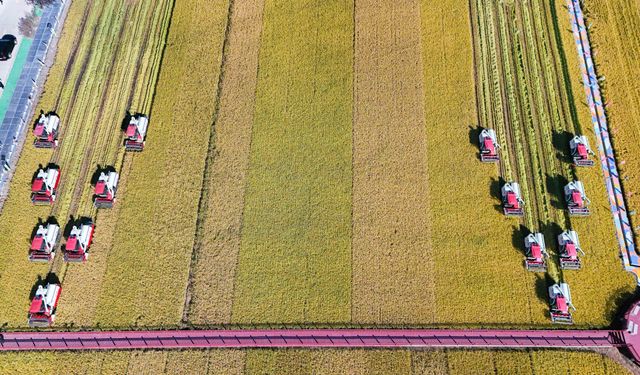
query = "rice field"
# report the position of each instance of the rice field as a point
(311, 361)
(315, 162)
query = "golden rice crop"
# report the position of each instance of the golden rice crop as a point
(294, 262)
(392, 259)
(220, 224)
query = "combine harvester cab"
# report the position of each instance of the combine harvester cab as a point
(42, 311)
(46, 131)
(105, 189)
(512, 199)
(536, 253)
(580, 151)
(560, 304)
(45, 186)
(576, 198)
(136, 132)
(569, 250)
(43, 244)
(489, 146)
(77, 246)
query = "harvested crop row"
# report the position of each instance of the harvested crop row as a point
(294, 262)
(154, 235)
(222, 202)
(470, 238)
(83, 283)
(392, 260)
(82, 147)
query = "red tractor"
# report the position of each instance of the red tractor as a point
(43, 244)
(45, 186)
(42, 311)
(512, 199)
(489, 146)
(46, 131)
(77, 246)
(580, 151)
(560, 305)
(136, 132)
(536, 252)
(105, 190)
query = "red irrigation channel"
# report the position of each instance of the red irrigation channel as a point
(311, 338)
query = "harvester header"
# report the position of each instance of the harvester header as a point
(42, 311)
(46, 131)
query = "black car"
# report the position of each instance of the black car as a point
(7, 43)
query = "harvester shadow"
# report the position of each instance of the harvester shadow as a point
(555, 187)
(69, 226)
(96, 174)
(494, 189)
(35, 174)
(517, 238)
(560, 140)
(618, 304)
(474, 136)
(35, 286)
(542, 284)
(125, 121)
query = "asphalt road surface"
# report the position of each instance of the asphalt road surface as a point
(10, 13)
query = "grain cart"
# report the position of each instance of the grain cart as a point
(560, 304)
(77, 247)
(489, 146)
(45, 186)
(512, 199)
(105, 190)
(42, 311)
(43, 244)
(580, 151)
(536, 252)
(136, 132)
(46, 131)
(576, 198)
(569, 249)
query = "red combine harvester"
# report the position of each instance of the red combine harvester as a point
(512, 199)
(489, 146)
(569, 249)
(105, 190)
(43, 244)
(79, 241)
(136, 133)
(580, 151)
(560, 303)
(536, 252)
(46, 131)
(576, 198)
(45, 186)
(42, 312)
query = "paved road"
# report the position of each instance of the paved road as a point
(10, 13)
